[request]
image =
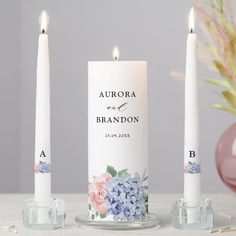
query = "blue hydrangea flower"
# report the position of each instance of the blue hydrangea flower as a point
(127, 198)
(44, 167)
(197, 168)
(194, 168)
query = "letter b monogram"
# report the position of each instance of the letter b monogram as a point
(192, 154)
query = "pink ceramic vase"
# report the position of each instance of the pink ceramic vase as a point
(226, 157)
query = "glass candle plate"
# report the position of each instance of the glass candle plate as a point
(150, 221)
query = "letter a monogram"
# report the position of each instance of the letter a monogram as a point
(42, 154)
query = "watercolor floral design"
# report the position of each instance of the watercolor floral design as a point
(118, 194)
(192, 168)
(42, 167)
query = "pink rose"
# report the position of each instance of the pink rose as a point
(186, 169)
(36, 168)
(97, 193)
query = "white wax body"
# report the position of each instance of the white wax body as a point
(191, 139)
(42, 122)
(122, 145)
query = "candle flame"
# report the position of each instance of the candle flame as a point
(191, 20)
(116, 53)
(43, 19)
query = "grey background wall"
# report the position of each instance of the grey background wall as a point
(10, 95)
(88, 30)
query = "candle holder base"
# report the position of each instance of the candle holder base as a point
(192, 217)
(150, 221)
(47, 215)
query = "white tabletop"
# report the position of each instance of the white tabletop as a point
(11, 206)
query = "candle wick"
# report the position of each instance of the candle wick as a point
(191, 31)
(43, 31)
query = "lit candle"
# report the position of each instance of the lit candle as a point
(42, 119)
(117, 139)
(191, 143)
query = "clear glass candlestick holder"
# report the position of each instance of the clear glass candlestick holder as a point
(199, 216)
(45, 215)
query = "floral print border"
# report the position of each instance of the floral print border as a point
(42, 167)
(118, 194)
(192, 168)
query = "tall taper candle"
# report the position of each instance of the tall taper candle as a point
(191, 148)
(42, 119)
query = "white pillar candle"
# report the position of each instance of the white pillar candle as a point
(191, 142)
(42, 119)
(117, 139)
